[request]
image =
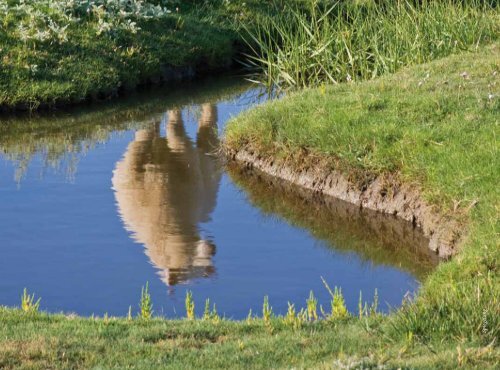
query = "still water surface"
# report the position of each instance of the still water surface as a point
(96, 202)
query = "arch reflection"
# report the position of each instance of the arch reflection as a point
(165, 187)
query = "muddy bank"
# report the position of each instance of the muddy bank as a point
(383, 194)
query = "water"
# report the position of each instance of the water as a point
(96, 202)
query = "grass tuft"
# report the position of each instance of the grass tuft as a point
(28, 302)
(146, 306)
(189, 303)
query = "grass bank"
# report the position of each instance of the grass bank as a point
(315, 41)
(55, 52)
(434, 126)
(43, 341)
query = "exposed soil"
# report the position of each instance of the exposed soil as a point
(385, 194)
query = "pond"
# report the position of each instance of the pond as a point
(95, 202)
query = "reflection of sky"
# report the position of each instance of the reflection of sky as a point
(64, 241)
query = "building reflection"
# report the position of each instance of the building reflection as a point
(165, 187)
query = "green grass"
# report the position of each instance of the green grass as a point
(433, 125)
(40, 341)
(315, 41)
(54, 54)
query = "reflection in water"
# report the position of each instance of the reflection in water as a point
(61, 138)
(379, 238)
(165, 187)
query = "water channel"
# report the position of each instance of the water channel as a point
(99, 200)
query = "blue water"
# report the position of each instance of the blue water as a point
(65, 239)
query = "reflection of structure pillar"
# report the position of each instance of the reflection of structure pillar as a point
(207, 138)
(164, 188)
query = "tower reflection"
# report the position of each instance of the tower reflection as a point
(165, 187)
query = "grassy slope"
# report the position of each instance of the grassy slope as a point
(436, 125)
(86, 65)
(440, 135)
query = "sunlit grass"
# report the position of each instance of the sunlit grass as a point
(54, 52)
(320, 42)
(35, 339)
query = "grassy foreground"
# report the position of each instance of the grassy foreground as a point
(40, 341)
(437, 126)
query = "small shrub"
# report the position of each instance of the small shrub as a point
(28, 303)
(312, 307)
(339, 309)
(267, 315)
(189, 302)
(292, 319)
(249, 317)
(206, 311)
(146, 305)
(360, 306)
(374, 305)
(210, 314)
(214, 316)
(267, 310)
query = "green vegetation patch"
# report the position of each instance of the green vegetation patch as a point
(30, 339)
(57, 51)
(316, 41)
